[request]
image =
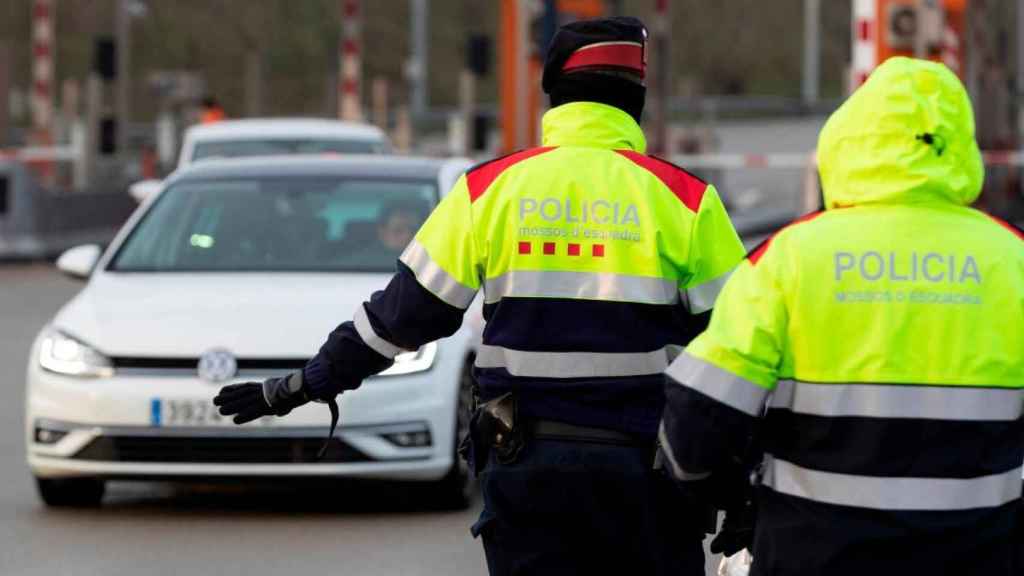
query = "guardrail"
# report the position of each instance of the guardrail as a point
(41, 154)
(38, 222)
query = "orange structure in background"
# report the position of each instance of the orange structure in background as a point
(886, 28)
(509, 81)
(953, 35)
(521, 65)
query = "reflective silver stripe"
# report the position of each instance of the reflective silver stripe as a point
(719, 384)
(366, 332)
(677, 470)
(701, 298)
(571, 364)
(961, 403)
(581, 285)
(888, 493)
(432, 277)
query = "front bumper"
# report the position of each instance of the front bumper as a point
(129, 451)
(395, 428)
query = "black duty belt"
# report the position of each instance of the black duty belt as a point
(553, 430)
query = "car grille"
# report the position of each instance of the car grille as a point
(206, 450)
(125, 362)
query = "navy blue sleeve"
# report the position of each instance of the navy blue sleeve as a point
(717, 450)
(402, 317)
(695, 324)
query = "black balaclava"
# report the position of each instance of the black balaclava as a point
(621, 93)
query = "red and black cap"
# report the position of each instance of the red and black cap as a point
(616, 44)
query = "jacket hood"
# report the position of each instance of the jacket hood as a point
(592, 125)
(905, 137)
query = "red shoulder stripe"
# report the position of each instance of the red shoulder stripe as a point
(687, 187)
(756, 254)
(480, 177)
(1017, 231)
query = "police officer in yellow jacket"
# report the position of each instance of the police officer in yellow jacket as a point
(874, 351)
(597, 264)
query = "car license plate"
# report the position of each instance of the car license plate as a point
(190, 413)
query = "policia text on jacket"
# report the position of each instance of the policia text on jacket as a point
(874, 352)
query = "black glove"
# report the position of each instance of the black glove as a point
(252, 400)
(737, 531)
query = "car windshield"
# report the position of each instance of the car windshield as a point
(278, 224)
(283, 146)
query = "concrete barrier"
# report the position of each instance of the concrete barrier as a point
(36, 222)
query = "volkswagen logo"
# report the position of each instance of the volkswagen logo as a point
(217, 365)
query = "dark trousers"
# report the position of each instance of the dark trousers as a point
(800, 537)
(576, 508)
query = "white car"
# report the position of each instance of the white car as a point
(279, 136)
(271, 137)
(237, 270)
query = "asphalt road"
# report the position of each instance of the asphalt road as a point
(157, 529)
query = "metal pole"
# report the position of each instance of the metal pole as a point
(662, 68)
(42, 69)
(1019, 81)
(351, 73)
(419, 27)
(5, 89)
(812, 51)
(522, 73)
(124, 82)
(253, 82)
(93, 108)
(467, 109)
(379, 99)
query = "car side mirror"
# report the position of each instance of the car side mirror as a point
(79, 261)
(144, 189)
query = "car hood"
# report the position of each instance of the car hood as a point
(184, 315)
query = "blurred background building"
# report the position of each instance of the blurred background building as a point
(461, 76)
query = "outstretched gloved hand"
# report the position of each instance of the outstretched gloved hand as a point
(273, 397)
(252, 400)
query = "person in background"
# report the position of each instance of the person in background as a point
(211, 111)
(394, 230)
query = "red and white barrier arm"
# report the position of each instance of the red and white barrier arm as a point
(801, 161)
(41, 154)
(736, 161)
(1003, 157)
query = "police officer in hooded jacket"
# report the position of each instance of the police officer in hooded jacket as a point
(597, 263)
(874, 350)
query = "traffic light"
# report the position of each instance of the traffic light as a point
(478, 54)
(108, 135)
(481, 132)
(104, 60)
(4, 191)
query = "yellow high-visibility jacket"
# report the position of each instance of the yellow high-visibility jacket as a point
(877, 347)
(595, 260)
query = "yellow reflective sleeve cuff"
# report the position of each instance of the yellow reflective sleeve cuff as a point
(715, 251)
(719, 384)
(702, 297)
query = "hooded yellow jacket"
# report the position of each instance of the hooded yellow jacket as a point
(879, 342)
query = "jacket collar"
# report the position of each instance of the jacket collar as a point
(592, 125)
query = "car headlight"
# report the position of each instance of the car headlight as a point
(63, 354)
(411, 362)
